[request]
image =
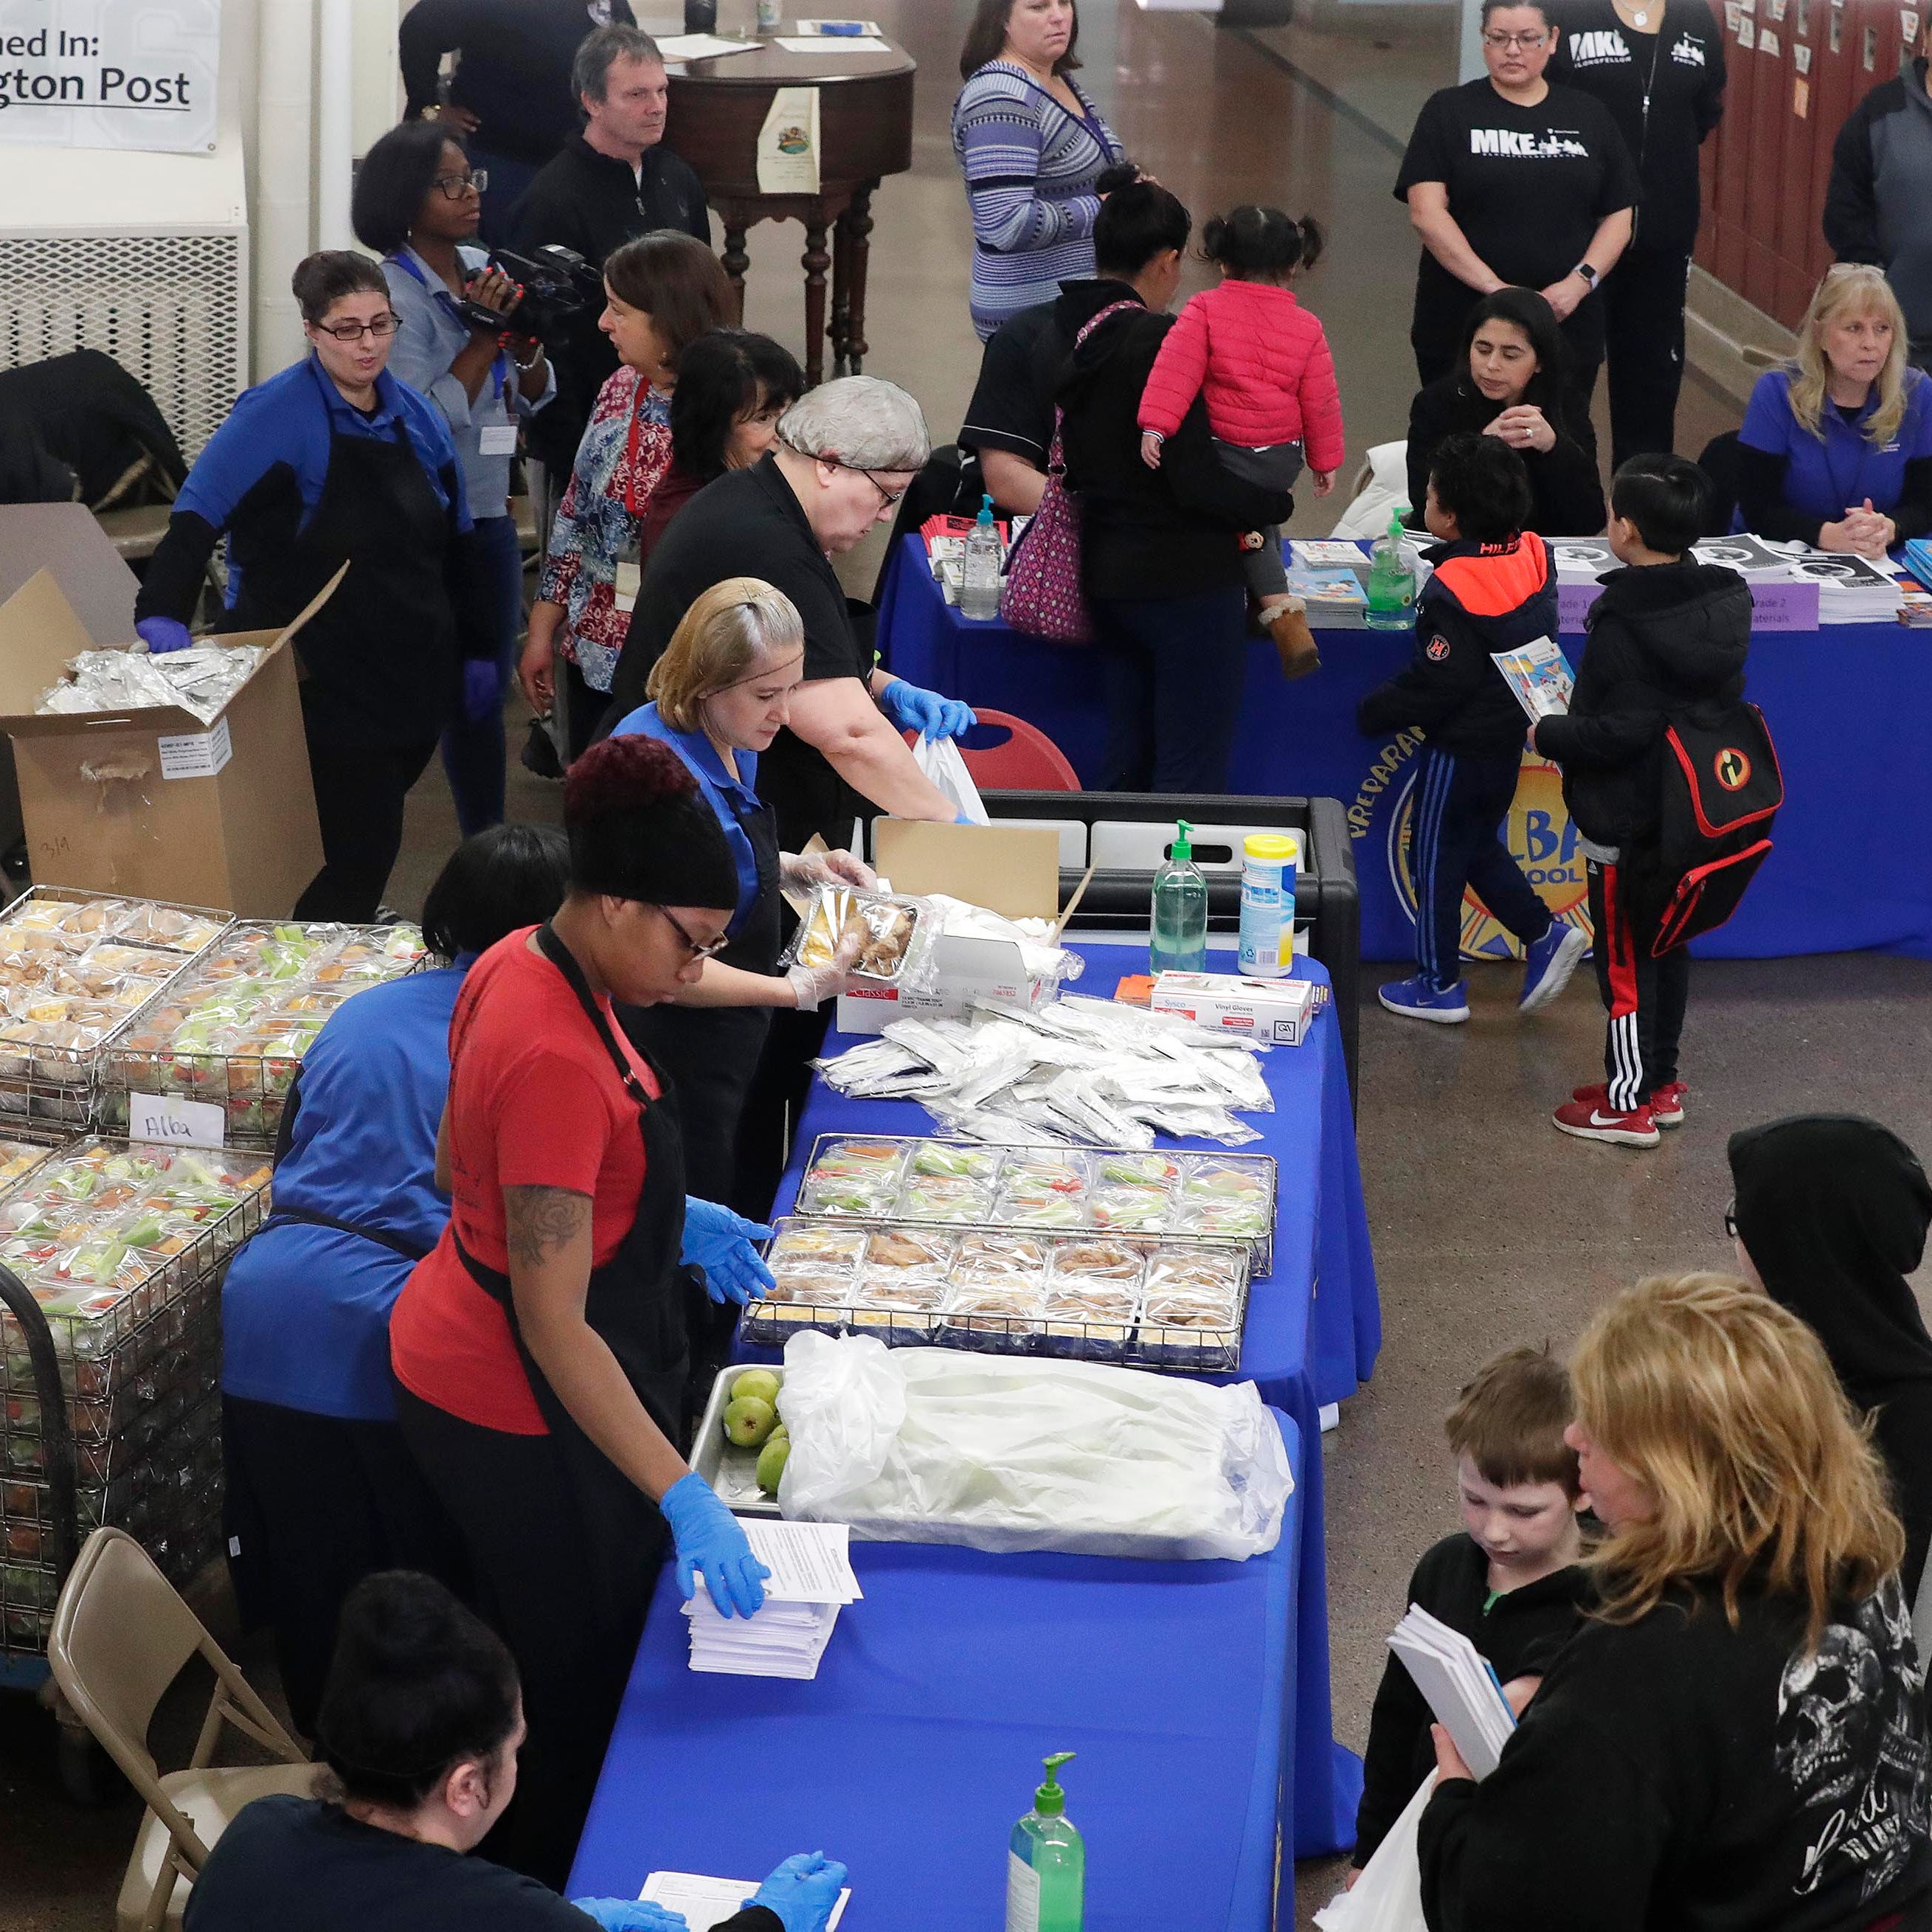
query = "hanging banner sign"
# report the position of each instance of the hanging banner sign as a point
(108, 74)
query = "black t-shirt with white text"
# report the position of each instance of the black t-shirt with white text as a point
(1528, 186)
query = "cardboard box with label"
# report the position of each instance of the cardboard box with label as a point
(1011, 870)
(152, 801)
(1279, 1011)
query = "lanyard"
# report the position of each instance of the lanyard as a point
(499, 369)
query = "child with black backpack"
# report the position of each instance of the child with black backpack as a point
(1666, 644)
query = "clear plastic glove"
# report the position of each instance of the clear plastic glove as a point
(162, 634)
(802, 1892)
(799, 871)
(924, 711)
(709, 1538)
(631, 1914)
(482, 693)
(811, 986)
(720, 1242)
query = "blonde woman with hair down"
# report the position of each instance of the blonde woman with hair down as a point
(1836, 448)
(1735, 1740)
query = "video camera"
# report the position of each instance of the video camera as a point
(558, 285)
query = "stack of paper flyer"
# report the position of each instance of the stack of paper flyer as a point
(1851, 590)
(707, 1902)
(1749, 557)
(1581, 560)
(1539, 675)
(811, 1580)
(1460, 1687)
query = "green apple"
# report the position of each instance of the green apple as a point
(760, 1382)
(771, 1463)
(748, 1420)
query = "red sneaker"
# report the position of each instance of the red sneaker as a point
(1588, 1121)
(1666, 1104)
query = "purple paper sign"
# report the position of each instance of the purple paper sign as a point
(1573, 601)
(1775, 605)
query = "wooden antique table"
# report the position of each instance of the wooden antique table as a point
(865, 116)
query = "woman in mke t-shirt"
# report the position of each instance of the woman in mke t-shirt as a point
(1510, 180)
(540, 1349)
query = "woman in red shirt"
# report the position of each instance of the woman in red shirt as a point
(540, 1349)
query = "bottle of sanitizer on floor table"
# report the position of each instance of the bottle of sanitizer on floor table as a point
(1391, 591)
(1046, 1863)
(1180, 910)
(979, 580)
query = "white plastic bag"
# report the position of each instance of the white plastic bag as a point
(1388, 1897)
(939, 758)
(940, 1445)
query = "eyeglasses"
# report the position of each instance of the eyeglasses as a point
(1502, 43)
(698, 949)
(455, 187)
(888, 499)
(1731, 1220)
(380, 330)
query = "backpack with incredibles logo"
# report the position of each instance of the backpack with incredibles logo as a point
(1722, 788)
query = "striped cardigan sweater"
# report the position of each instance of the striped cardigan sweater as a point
(1030, 167)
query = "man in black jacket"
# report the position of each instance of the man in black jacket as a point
(1668, 633)
(1493, 590)
(606, 186)
(1878, 206)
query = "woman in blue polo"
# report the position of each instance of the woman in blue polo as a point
(321, 1490)
(1836, 449)
(335, 462)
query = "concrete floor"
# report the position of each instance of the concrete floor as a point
(1489, 1227)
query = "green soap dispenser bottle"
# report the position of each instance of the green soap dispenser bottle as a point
(1179, 920)
(1046, 1862)
(1392, 586)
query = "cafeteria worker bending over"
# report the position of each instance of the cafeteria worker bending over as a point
(334, 461)
(540, 1350)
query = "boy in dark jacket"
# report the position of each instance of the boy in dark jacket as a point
(1668, 633)
(1510, 1581)
(1493, 590)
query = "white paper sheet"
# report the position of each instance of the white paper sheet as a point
(701, 46)
(810, 1562)
(707, 1902)
(830, 43)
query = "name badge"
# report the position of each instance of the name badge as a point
(497, 439)
(625, 593)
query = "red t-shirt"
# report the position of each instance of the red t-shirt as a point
(534, 1101)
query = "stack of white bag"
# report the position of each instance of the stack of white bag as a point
(1092, 1072)
(937, 1445)
(810, 1580)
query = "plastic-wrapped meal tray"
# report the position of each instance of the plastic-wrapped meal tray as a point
(885, 926)
(1143, 1301)
(233, 1030)
(1205, 1197)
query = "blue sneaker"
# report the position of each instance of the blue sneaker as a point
(1548, 963)
(1417, 1000)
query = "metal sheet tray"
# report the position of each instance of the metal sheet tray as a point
(730, 1471)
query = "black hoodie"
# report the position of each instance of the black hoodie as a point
(1663, 638)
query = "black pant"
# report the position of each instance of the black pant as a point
(1173, 669)
(1645, 997)
(1643, 298)
(315, 1503)
(1455, 841)
(583, 708)
(569, 1602)
(359, 791)
(772, 1104)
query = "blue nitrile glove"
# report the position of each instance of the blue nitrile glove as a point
(482, 688)
(709, 1537)
(924, 711)
(162, 634)
(720, 1242)
(802, 1892)
(632, 1914)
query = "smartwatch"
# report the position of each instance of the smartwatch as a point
(1588, 273)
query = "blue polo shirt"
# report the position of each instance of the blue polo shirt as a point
(726, 795)
(1826, 475)
(305, 1310)
(283, 426)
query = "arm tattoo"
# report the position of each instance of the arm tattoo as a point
(540, 1222)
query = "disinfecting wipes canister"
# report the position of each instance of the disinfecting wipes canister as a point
(1269, 860)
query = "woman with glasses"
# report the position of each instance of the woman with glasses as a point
(541, 1349)
(1510, 181)
(335, 462)
(661, 292)
(415, 203)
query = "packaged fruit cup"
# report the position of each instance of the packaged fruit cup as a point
(991, 1317)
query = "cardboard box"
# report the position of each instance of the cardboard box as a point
(1279, 1011)
(1011, 870)
(154, 802)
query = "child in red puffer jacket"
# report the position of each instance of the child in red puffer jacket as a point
(1261, 362)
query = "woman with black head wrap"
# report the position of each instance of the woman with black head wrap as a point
(1830, 1217)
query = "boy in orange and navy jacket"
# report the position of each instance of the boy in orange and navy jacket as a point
(1493, 590)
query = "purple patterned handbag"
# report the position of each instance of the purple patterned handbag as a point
(1042, 597)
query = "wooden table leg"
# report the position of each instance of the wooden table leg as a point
(735, 260)
(815, 261)
(842, 296)
(855, 227)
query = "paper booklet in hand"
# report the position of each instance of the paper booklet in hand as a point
(1539, 675)
(1461, 1688)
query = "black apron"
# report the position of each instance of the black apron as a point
(379, 657)
(637, 1303)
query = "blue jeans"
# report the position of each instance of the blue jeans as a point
(1172, 668)
(473, 753)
